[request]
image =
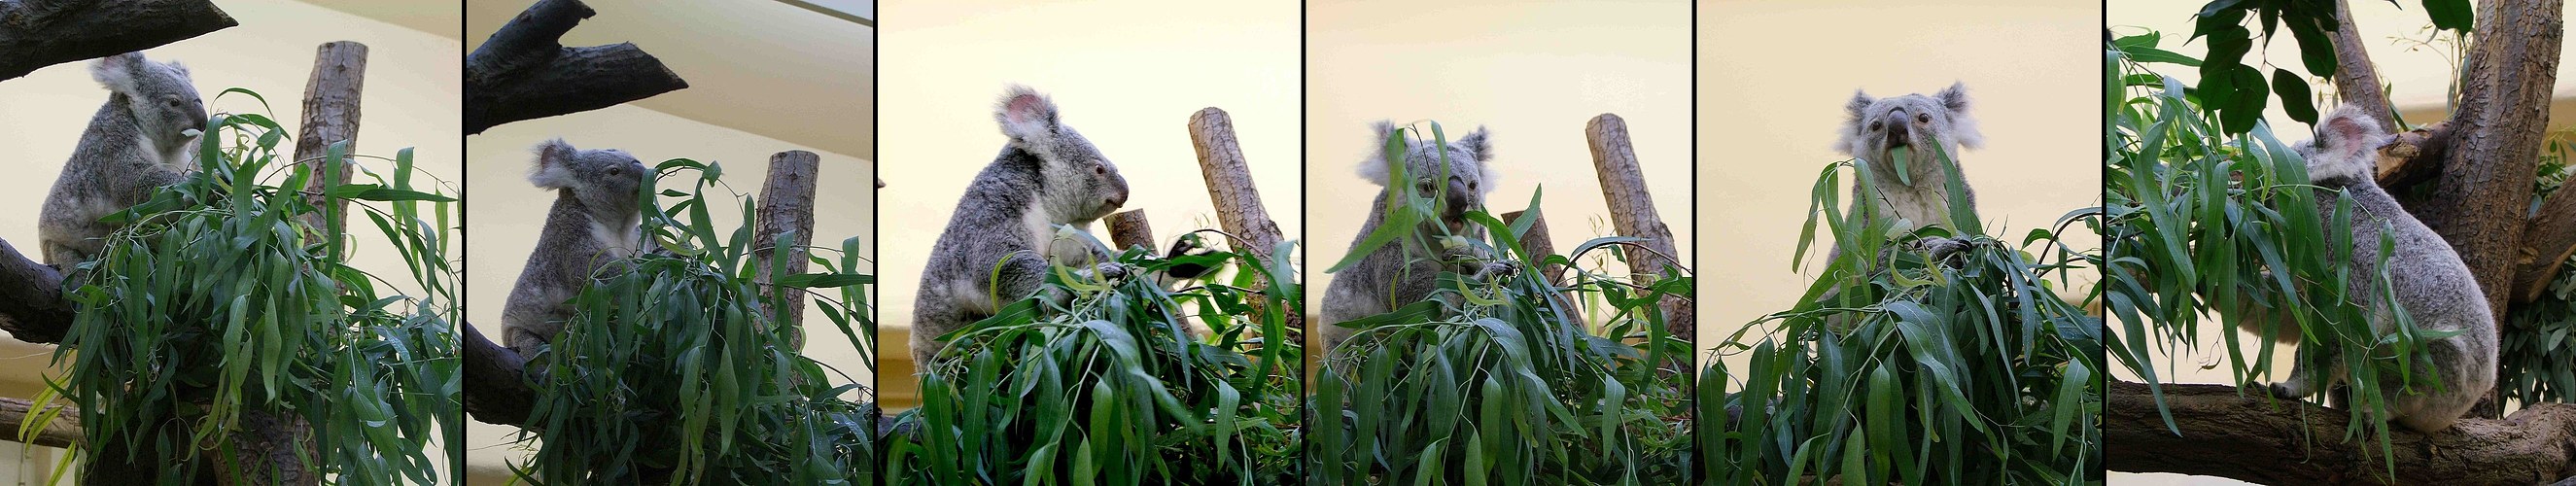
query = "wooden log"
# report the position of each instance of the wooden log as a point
(1128, 229)
(39, 33)
(330, 116)
(1632, 211)
(1229, 183)
(522, 72)
(63, 430)
(32, 306)
(2228, 433)
(1536, 245)
(787, 207)
(497, 390)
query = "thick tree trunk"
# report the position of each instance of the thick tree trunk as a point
(2478, 201)
(2223, 433)
(523, 72)
(39, 33)
(787, 207)
(1632, 212)
(331, 116)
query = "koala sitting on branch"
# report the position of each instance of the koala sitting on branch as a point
(592, 226)
(1919, 194)
(1408, 269)
(2430, 282)
(1003, 239)
(138, 142)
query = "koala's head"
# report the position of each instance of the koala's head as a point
(1878, 127)
(160, 95)
(605, 181)
(1466, 183)
(1079, 184)
(2346, 149)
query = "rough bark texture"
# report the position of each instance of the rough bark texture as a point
(2478, 201)
(1632, 210)
(35, 34)
(331, 116)
(2285, 442)
(497, 390)
(32, 307)
(2547, 241)
(2416, 156)
(523, 72)
(1536, 244)
(2356, 79)
(1229, 183)
(787, 207)
(1128, 229)
(62, 431)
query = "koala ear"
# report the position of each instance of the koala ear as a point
(1955, 98)
(1859, 104)
(1373, 167)
(1476, 144)
(552, 171)
(1027, 117)
(2349, 130)
(117, 71)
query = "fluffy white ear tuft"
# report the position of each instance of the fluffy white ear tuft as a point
(1027, 117)
(552, 157)
(2347, 144)
(117, 71)
(1478, 144)
(1955, 98)
(1373, 167)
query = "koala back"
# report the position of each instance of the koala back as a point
(1047, 174)
(137, 142)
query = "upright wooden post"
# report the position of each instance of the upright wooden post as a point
(1127, 229)
(1230, 188)
(1535, 244)
(1632, 210)
(786, 207)
(330, 116)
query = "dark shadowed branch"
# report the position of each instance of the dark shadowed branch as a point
(522, 72)
(39, 33)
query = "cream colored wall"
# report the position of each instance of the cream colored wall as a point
(1533, 73)
(1774, 78)
(507, 214)
(1128, 75)
(412, 84)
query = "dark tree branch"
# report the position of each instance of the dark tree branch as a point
(32, 307)
(2546, 242)
(35, 34)
(497, 390)
(2355, 78)
(522, 72)
(2223, 433)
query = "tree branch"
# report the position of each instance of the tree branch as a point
(36, 34)
(2356, 79)
(522, 72)
(2546, 242)
(1632, 211)
(62, 431)
(497, 390)
(32, 307)
(787, 207)
(2223, 433)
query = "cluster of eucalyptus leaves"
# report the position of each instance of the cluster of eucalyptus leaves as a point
(2202, 223)
(673, 370)
(1111, 385)
(1899, 365)
(1500, 380)
(219, 303)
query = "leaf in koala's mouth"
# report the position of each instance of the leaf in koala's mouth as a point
(1898, 157)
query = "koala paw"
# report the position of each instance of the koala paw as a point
(1112, 271)
(1498, 269)
(1938, 248)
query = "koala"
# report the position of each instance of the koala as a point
(592, 227)
(1408, 270)
(1002, 240)
(137, 143)
(1914, 122)
(2429, 280)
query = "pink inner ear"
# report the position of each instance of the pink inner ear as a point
(1024, 108)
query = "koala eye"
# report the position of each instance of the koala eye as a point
(1919, 118)
(1099, 169)
(616, 171)
(1875, 126)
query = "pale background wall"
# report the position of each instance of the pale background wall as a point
(1533, 73)
(413, 82)
(2421, 77)
(1128, 75)
(1774, 77)
(507, 212)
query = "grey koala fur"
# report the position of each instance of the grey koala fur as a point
(136, 143)
(1878, 127)
(1046, 175)
(592, 227)
(2429, 280)
(1407, 271)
